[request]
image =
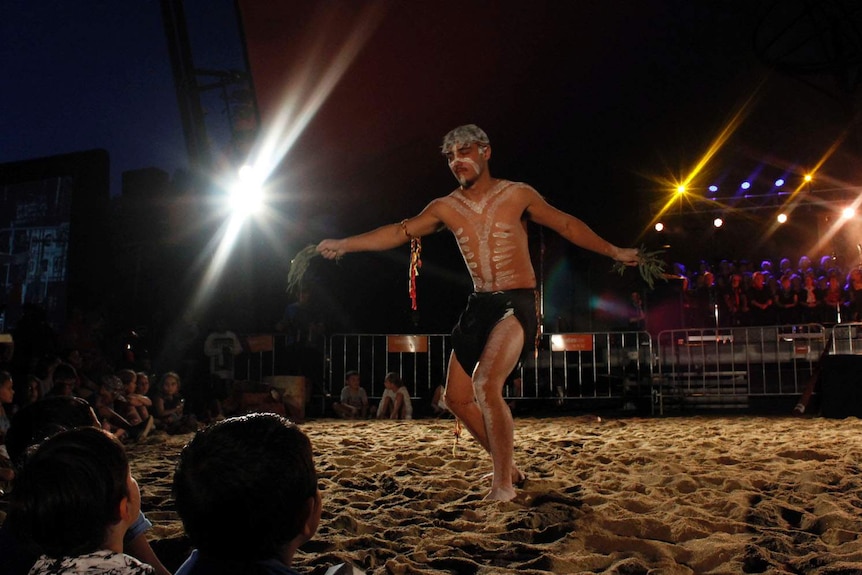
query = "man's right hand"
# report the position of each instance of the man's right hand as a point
(330, 249)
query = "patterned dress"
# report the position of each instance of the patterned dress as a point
(102, 562)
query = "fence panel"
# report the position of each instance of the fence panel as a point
(709, 367)
(727, 366)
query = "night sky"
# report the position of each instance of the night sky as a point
(590, 102)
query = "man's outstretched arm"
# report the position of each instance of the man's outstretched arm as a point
(383, 238)
(576, 231)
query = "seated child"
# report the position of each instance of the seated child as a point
(169, 404)
(354, 400)
(142, 384)
(110, 402)
(34, 389)
(438, 402)
(74, 498)
(137, 405)
(30, 426)
(217, 488)
(7, 394)
(395, 403)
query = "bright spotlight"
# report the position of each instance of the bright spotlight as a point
(781, 218)
(779, 182)
(718, 222)
(680, 189)
(848, 213)
(713, 188)
(245, 197)
(659, 226)
(808, 177)
(745, 185)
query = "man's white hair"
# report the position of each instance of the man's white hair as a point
(466, 134)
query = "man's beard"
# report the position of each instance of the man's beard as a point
(469, 177)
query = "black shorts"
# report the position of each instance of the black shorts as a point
(484, 311)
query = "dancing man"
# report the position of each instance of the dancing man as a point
(488, 217)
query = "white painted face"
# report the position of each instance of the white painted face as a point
(463, 162)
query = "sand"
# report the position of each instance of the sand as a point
(675, 495)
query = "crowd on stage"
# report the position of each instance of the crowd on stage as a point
(741, 293)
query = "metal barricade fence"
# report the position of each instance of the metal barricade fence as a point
(567, 366)
(726, 367)
(420, 360)
(611, 365)
(847, 339)
(710, 367)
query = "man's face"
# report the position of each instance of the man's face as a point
(353, 381)
(467, 162)
(7, 391)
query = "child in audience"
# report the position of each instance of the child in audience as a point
(395, 403)
(142, 384)
(354, 400)
(74, 498)
(137, 405)
(64, 379)
(218, 486)
(169, 404)
(34, 389)
(30, 426)
(109, 403)
(438, 402)
(7, 395)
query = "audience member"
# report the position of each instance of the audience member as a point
(33, 389)
(637, 314)
(32, 425)
(438, 402)
(760, 304)
(7, 395)
(169, 406)
(354, 399)
(221, 346)
(787, 301)
(107, 403)
(704, 300)
(44, 368)
(810, 299)
(64, 379)
(142, 384)
(395, 403)
(854, 295)
(138, 405)
(804, 265)
(833, 298)
(73, 500)
(735, 308)
(246, 491)
(304, 326)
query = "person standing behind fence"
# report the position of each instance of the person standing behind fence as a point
(304, 327)
(221, 346)
(395, 403)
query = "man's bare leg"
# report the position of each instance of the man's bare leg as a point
(488, 418)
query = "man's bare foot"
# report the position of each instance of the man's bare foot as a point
(501, 494)
(518, 477)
